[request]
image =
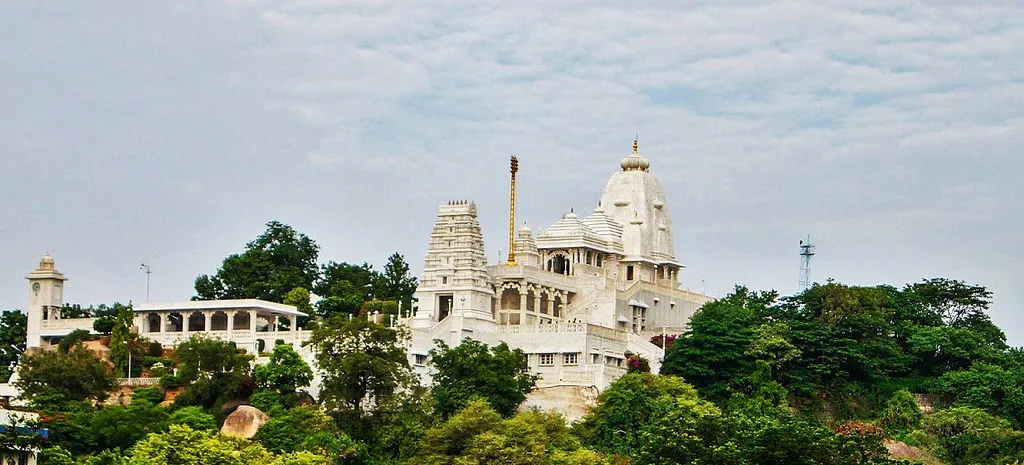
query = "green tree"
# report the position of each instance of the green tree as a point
(361, 364)
(72, 339)
(343, 279)
(339, 306)
(285, 373)
(75, 311)
(395, 283)
(203, 356)
(121, 341)
(307, 429)
(477, 435)
(117, 427)
(471, 369)
(628, 407)
(344, 288)
(13, 326)
(77, 375)
(182, 445)
(712, 354)
(967, 435)
(273, 264)
(956, 302)
(195, 418)
(300, 298)
(106, 317)
(901, 414)
(217, 371)
(994, 388)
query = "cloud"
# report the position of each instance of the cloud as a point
(870, 124)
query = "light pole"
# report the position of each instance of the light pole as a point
(144, 267)
(129, 361)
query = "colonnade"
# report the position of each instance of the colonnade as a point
(232, 323)
(526, 303)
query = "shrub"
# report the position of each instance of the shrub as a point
(266, 400)
(158, 370)
(155, 349)
(104, 324)
(148, 361)
(193, 417)
(72, 339)
(151, 394)
(901, 413)
(170, 381)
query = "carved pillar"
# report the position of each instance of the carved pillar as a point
(522, 305)
(208, 316)
(231, 323)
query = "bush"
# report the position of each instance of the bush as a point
(170, 381)
(151, 394)
(155, 349)
(149, 361)
(195, 418)
(104, 324)
(158, 370)
(266, 400)
(901, 414)
(72, 339)
(55, 455)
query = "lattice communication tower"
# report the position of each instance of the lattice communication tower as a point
(806, 252)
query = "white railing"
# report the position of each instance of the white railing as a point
(69, 323)
(138, 381)
(536, 329)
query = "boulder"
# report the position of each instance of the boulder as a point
(244, 422)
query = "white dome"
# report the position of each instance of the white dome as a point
(634, 199)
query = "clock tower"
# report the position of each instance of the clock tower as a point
(45, 299)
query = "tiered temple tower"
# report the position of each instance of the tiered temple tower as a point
(45, 299)
(454, 280)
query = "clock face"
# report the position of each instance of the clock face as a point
(35, 287)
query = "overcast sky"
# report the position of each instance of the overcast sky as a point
(890, 131)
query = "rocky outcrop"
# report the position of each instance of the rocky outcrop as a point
(902, 451)
(244, 422)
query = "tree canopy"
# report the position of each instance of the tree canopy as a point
(361, 364)
(277, 261)
(499, 375)
(13, 326)
(77, 375)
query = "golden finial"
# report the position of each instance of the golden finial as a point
(636, 146)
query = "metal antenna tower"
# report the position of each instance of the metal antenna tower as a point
(144, 267)
(806, 252)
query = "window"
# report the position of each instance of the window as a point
(420, 359)
(547, 359)
(629, 272)
(444, 280)
(571, 359)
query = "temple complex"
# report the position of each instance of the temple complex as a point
(579, 297)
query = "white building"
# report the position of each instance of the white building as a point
(249, 323)
(578, 297)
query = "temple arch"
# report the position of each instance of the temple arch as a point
(153, 323)
(196, 322)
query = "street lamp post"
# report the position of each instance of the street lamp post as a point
(129, 371)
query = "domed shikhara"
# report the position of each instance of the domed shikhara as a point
(634, 199)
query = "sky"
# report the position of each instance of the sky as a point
(891, 132)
